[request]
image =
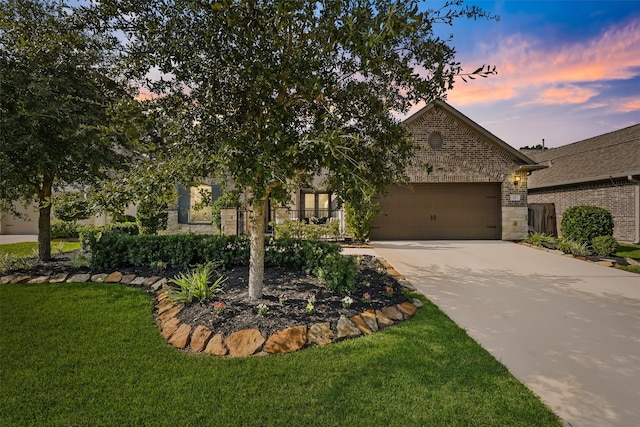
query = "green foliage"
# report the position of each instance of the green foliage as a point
(12, 261)
(58, 87)
(360, 216)
(71, 207)
(195, 284)
(583, 223)
(229, 199)
(63, 230)
(289, 229)
(574, 248)
(151, 216)
(338, 273)
(542, 240)
(604, 245)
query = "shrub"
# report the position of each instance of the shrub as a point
(542, 240)
(360, 219)
(195, 284)
(64, 229)
(10, 262)
(71, 207)
(300, 230)
(337, 273)
(583, 223)
(124, 227)
(574, 248)
(151, 217)
(604, 245)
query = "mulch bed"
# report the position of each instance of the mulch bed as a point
(286, 294)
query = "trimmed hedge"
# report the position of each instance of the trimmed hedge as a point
(584, 223)
(111, 249)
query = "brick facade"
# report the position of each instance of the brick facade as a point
(618, 196)
(468, 156)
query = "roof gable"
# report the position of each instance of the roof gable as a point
(516, 155)
(611, 155)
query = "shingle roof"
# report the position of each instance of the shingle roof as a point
(612, 155)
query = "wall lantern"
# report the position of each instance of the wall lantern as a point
(516, 180)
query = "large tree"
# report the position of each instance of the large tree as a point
(56, 94)
(279, 91)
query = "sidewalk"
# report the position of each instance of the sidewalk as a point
(17, 238)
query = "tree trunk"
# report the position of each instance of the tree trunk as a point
(44, 222)
(256, 257)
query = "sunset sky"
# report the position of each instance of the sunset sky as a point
(567, 70)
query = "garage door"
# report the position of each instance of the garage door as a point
(439, 211)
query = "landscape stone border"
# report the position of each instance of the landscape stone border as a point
(247, 342)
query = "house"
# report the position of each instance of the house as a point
(601, 171)
(465, 183)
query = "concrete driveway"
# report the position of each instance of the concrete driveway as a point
(568, 329)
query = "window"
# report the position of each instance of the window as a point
(316, 205)
(194, 203)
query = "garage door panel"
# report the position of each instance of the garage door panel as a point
(439, 211)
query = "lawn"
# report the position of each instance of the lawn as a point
(628, 250)
(29, 249)
(92, 354)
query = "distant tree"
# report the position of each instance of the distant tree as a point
(57, 91)
(534, 147)
(279, 91)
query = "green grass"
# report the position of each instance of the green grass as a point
(27, 249)
(92, 354)
(628, 250)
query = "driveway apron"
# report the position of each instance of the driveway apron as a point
(568, 329)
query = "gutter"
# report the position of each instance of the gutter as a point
(633, 176)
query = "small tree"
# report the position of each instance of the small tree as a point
(57, 88)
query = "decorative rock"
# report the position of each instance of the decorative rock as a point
(417, 303)
(151, 280)
(180, 338)
(320, 334)
(245, 342)
(59, 278)
(21, 279)
(383, 321)
(170, 327)
(156, 286)
(41, 279)
(384, 263)
(172, 312)
(6, 279)
(346, 329)
(114, 277)
(164, 305)
(216, 347)
(99, 277)
(407, 309)
(287, 340)
(127, 279)
(162, 296)
(369, 318)
(405, 284)
(200, 338)
(393, 272)
(361, 324)
(392, 313)
(79, 278)
(139, 280)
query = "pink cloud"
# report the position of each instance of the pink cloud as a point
(630, 106)
(534, 73)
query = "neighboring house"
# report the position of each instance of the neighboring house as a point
(601, 171)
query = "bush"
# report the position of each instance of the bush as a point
(71, 207)
(542, 240)
(300, 230)
(360, 219)
(574, 248)
(604, 245)
(10, 262)
(151, 217)
(337, 273)
(584, 223)
(64, 230)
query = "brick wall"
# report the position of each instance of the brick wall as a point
(467, 156)
(620, 197)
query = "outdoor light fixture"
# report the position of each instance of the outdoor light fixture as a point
(516, 180)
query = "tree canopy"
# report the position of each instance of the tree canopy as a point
(57, 91)
(279, 91)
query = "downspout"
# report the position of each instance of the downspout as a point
(635, 181)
